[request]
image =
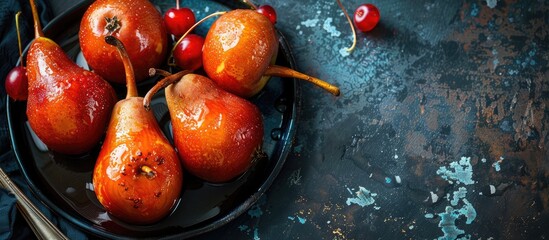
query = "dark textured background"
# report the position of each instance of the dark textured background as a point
(434, 82)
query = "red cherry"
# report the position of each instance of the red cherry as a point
(366, 17)
(179, 20)
(17, 84)
(268, 11)
(188, 53)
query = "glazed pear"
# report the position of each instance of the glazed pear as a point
(138, 175)
(68, 107)
(217, 134)
(239, 50)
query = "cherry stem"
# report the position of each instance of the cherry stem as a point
(350, 24)
(253, 6)
(130, 77)
(176, 4)
(37, 27)
(279, 71)
(170, 63)
(18, 37)
(167, 80)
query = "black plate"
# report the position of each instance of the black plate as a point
(63, 182)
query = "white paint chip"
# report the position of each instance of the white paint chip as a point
(434, 197)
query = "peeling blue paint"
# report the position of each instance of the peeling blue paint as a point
(448, 224)
(459, 194)
(468, 211)
(255, 211)
(364, 197)
(301, 220)
(448, 220)
(330, 28)
(462, 171)
(496, 166)
(256, 234)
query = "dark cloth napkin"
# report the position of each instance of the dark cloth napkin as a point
(12, 223)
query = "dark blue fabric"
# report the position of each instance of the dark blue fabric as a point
(7, 207)
(12, 223)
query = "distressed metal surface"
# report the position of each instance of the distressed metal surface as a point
(438, 84)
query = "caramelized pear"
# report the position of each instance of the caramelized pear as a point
(238, 53)
(68, 107)
(137, 23)
(217, 134)
(138, 175)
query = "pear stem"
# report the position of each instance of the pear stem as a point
(161, 72)
(350, 24)
(19, 37)
(279, 71)
(170, 59)
(37, 27)
(160, 85)
(130, 77)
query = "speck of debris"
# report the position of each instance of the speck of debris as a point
(434, 197)
(492, 189)
(491, 3)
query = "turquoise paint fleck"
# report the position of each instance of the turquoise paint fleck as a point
(474, 10)
(496, 166)
(462, 171)
(255, 211)
(243, 228)
(468, 211)
(300, 219)
(256, 234)
(388, 180)
(459, 194)
(364, 197)
(429, 215)
(448, 220)
(448, 224)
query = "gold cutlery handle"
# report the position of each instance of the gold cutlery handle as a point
(42, 227)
